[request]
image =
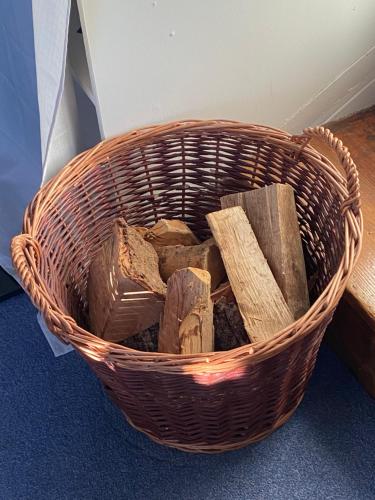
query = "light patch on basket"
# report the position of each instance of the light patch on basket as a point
(208, 378)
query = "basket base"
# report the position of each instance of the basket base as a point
(216, 448)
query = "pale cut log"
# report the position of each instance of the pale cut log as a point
(204, 256)
(171, 232)
(258, 296)
(186, 326)
(272, 214)
(125, 291)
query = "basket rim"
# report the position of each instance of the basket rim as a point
(27, 255)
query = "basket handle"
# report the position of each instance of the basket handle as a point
(353, 201)
(25, 254)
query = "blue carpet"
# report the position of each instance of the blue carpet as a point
(61, 438)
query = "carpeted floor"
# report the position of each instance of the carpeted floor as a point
(60, 437)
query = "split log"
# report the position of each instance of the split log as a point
(187, 322)
(204, 256)
(171, 232)
(272, 214)
(258, 296)
(125, 291)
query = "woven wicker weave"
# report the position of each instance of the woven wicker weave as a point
(206, 402)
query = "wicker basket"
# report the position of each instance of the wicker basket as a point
(205, 402)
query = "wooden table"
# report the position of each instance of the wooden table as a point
(352, 332)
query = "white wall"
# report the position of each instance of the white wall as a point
(288, 63)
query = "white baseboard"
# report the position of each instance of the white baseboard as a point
(352, 90)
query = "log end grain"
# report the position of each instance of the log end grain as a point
(171, 232)
(204, 256)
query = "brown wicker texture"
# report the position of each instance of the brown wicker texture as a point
(205, 402)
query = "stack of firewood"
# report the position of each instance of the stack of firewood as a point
(160, 288)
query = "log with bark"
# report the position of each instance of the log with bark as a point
(147, 340)
(229, 327)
